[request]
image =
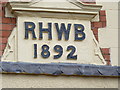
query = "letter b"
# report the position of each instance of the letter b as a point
(79, 30)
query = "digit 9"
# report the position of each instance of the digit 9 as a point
(59, 50)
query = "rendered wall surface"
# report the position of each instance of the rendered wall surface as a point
(42, 81)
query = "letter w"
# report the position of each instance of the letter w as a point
(63, 29)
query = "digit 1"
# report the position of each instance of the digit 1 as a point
(58, 49)
(35, 50)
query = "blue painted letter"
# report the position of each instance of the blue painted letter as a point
(35, 50)
(79, 28)
(63, 29)
(29, 27)
(41, 30)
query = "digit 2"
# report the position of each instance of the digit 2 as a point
(70, 55)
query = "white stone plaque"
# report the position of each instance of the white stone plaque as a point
(70, 39)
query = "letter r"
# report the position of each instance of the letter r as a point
(29, 27)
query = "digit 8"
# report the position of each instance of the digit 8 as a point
(45, 51)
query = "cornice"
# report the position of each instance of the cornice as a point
(85, 12)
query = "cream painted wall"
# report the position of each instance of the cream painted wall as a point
(42, 81)
(108, 36)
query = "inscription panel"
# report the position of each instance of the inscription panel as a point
(46, 40)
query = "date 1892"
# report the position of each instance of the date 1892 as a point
(45, 53)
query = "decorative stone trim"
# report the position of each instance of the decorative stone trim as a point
(59, 69)
(7, 25)
(85, 12)
(88, 1)
(101, 24)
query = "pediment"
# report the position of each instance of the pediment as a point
(52, 4)
(63, 8)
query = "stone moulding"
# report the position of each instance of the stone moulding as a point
(59, 69)
(31, 8)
